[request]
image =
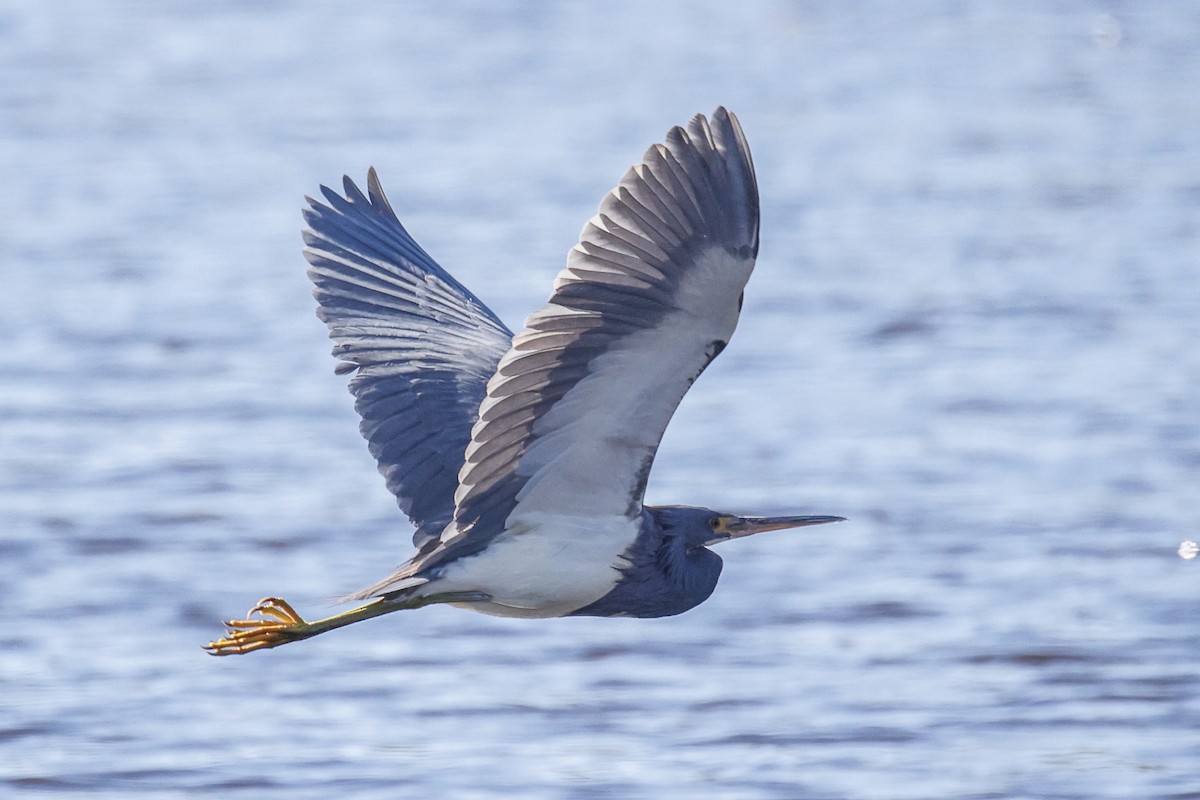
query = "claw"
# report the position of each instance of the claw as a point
(273, 622)
(276, 608)
(277, 623)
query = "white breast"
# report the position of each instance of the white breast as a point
(543, 565)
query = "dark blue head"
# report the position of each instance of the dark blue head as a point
(671, 568)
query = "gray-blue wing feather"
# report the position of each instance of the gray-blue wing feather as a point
(650, 296)
(575, 411)
(421, 346)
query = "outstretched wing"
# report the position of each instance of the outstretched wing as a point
(650, 295)
(421, 346)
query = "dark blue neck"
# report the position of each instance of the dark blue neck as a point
(665, 576)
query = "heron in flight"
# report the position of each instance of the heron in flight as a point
(522, 459)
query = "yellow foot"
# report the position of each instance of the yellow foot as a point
(276, 623)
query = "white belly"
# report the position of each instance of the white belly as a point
(543, 565)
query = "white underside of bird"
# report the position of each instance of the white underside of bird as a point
(543, 565)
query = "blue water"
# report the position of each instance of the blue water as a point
(974, 330)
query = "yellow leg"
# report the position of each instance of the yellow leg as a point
(273, 621)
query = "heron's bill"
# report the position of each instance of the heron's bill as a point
(731, 527)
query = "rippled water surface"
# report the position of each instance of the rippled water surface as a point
(974, 330)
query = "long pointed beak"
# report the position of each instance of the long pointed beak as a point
(732, 527)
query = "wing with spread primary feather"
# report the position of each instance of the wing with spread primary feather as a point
(421, 346)
(650, 295)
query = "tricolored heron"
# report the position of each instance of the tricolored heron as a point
(522, 460)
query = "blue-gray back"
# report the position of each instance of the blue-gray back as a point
(421, 346)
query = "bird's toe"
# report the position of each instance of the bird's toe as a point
(270, 623)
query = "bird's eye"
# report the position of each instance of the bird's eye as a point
(715, 523)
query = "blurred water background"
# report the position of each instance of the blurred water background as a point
(974, 330)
